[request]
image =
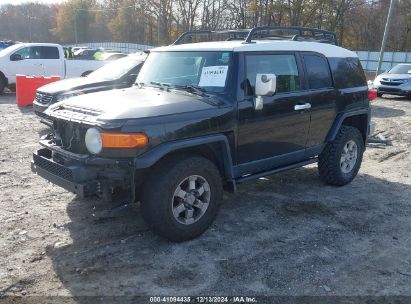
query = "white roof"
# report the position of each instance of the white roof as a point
(328, 50)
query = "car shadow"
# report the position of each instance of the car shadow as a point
(385, 112)
(284, 234)
(395, 97)
(8, 98)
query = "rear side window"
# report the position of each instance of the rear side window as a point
(318, 72)
(347, 72)
(44, 52)
(48, 52)
(283, 66)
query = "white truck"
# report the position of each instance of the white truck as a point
(40, 59)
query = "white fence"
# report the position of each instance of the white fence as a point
(118, 46)
(369, 60)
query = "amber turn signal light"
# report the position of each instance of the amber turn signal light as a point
(124, 140)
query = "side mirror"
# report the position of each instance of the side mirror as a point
(15, 57)
(265, 85)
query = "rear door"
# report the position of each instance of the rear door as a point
(48, 61)
(277, 134)
(323, 98)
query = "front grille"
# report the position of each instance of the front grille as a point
(44, 98)
(393, 82)
(53, 167)
(72, 136)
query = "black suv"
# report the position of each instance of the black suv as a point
(208, 116)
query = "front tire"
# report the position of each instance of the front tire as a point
(341, 159)
(181, 197)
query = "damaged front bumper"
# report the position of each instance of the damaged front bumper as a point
(83, 174)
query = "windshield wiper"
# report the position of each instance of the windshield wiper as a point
(192, 89)
(163, 85)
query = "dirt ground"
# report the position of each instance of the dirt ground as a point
(288, 234)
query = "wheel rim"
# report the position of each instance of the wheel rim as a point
(349, 156)
(191, 199)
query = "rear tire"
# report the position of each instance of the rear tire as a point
(181, 197)
(2, 83)
(341, 159)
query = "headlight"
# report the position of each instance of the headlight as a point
(68, 95)
(93, 141)
(377, 81)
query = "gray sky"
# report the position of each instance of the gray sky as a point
(27, 1)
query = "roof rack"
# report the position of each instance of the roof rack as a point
(233, 34)
(262, 33)
(303, 33)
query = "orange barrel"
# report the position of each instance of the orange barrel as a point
(26, 87)
(21, 91)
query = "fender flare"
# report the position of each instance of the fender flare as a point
(151, 157)
(340, 119)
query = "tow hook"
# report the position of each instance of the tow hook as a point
(113, 212)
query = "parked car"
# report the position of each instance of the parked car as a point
(45, 59)
(78, 48)
(207, 117)
(6, 44)
(112, 56)
(396, 81)
(116, 75)
(85, 54)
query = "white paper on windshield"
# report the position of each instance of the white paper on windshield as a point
(213, 76)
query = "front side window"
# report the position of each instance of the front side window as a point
(318, 72)
(24, 53)
(207, 70)
(283, 66)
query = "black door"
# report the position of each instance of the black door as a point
(323, 97)
(277, 134)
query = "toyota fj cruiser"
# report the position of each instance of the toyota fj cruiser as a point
(207, 116)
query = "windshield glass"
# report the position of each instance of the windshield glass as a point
(207, 70)
(116, 69)
(401, 69)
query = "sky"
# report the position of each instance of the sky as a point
(2, 2)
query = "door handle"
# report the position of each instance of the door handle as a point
(300, 107)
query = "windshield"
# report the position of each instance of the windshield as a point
(116, 69)
(207, 70)
(401, 69)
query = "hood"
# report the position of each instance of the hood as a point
(393, 76)
(62, 86)
(130, 103)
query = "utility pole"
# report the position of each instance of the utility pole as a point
(75, 25)
(384, 37)
(159, 24)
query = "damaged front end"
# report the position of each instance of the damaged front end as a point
(65, 161)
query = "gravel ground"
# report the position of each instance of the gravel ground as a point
(288, 234)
